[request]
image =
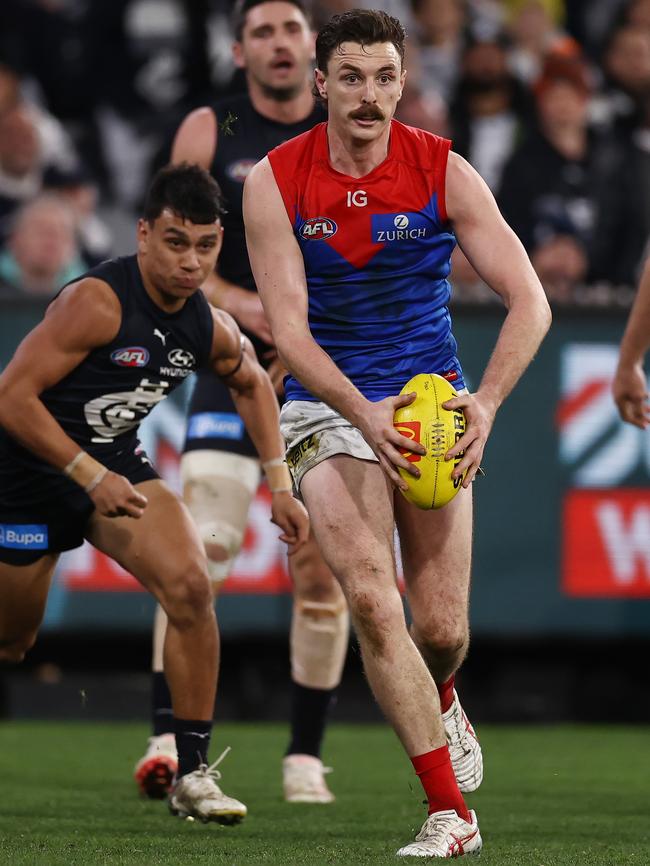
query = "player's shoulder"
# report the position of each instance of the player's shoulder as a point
(232, 110)
(301, 150)
(418, 146)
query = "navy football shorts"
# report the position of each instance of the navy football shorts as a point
(45, 512)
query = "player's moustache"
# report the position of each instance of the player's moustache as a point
(370, 112)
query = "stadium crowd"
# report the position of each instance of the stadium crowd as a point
(549, 100)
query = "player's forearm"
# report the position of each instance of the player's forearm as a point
(318, 373)
(636, 339)
(522, 332)
(27, 420)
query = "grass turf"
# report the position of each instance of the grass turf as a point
(553, 796)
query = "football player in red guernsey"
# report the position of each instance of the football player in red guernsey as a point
(350, 228)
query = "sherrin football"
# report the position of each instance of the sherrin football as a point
(425, 421)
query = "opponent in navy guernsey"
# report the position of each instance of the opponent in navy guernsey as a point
(275, 46)
(350, 229)
(111, 346)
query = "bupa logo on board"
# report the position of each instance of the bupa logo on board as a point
(130, 356)
(318, 229)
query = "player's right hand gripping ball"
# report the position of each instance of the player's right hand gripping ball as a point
(425, 421)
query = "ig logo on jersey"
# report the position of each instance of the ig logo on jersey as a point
(318, 229)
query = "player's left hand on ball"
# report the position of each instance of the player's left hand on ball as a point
(479, 416)
(291, 516)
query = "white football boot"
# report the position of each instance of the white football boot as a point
(303, 779)
(197, 795)
(155, 771)
(464, 747)
(445, 835)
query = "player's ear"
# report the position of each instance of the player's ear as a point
(402, 80)
(321, 83)
(238, 55)
(142, 235)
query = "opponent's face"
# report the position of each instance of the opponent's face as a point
(176, 255)
(276, 49)
(362, 86)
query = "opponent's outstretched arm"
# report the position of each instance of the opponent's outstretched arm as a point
(86, 314)
(279, 273)
(234, 361)
(497, 255)
(630, 388)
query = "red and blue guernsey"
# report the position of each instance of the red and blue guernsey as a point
(377, 256)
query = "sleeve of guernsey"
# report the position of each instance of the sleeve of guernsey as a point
(289, 162)
(439, 154)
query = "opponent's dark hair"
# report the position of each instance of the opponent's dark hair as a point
(187, 190)
(243, 7)
(364, 26)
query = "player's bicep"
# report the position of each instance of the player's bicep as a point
(84, 316)
(276, 259)
(492, 248)
(196, 139)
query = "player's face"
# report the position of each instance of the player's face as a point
(276, 49)
(362, 86)
(177, 256)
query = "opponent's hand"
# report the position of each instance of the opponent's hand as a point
(115, 496)
(630, 391)
(479, 417)
(246, 309)
(292, 518)
(379, 432)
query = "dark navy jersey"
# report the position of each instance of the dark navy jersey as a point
(101, 403)
(245, 137)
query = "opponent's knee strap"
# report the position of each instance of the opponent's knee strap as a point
(218, 488)
(319, 642)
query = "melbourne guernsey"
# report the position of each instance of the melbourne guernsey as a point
(377, 256)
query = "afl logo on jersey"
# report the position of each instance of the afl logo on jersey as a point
(131, 356)
(318, 229)
(240, 169)
(181, 358)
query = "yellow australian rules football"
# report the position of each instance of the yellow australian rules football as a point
(427, 422)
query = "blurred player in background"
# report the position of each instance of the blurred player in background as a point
(220, 469)
(630, 387)
(111, 346)
(354, 283)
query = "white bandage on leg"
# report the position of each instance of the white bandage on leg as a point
(159, 631)
(218, 488)
(319, 642)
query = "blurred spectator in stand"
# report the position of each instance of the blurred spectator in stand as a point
(20, 162)
(76, 188)
(555, 182)
(490, 111)
(41, 253)
(626, 64)
(440, 30)
(421, 105)
(534, 30)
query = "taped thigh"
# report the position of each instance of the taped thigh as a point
(218, 488)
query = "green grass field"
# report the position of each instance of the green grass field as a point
(551, 797)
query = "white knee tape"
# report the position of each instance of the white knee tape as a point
(319, 642)
(218, 488)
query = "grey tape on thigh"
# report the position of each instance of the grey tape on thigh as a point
(319, 642)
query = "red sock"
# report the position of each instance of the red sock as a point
(446, 692)
(437, 776)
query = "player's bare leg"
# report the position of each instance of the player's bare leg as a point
(218, 488)
(351, 507)
(436, 555)
(319, 638)
(163, 551)
(23, 596)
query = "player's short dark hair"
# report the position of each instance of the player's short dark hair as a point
(243, 7)
(187, 190)
(364, 26)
